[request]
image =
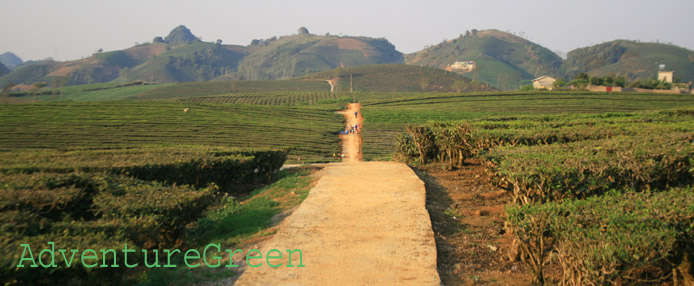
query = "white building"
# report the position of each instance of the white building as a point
(665, 76)
(544, 82)
(464, 66)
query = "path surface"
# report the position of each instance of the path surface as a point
(364, 223)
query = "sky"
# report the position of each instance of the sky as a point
(72, 29)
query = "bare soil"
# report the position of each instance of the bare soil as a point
(467, 215)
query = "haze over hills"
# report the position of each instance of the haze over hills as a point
(499, 59)
(10, 60)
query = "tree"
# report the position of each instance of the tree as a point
(158, 40)
(582, 75)
(608, 80)
(579, 83)
(559, 83)
(303, 31)
(596, 80)
(620, 81)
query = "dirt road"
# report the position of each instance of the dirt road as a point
(364, 223)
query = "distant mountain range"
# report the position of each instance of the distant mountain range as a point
(491, 57)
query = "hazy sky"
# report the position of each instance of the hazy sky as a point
(71, 29)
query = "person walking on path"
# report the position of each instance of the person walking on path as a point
(355, 114)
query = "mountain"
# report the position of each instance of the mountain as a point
(10, 60)
(302, 54)
(180, 36)
(630, 59)
(501, 59)
(491, 57)
(181, 56)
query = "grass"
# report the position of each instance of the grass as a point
(234, 224)
(128, 124)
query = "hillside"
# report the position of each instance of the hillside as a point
(3, 69)
(179, 57)
(302, 54)
(398, 78)
(502, 60)
(631, 59)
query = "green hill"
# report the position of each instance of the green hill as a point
(397, 78)
(302, 54)
(502, 60)
(3, 69)
(631, 59)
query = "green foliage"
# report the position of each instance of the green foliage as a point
(270, 98)
(595, 190)
(190, 90)
(527, 87)
(651, 84)
(105, 206)
(123, 125)
(387, 114)
(648, 159)
(89, 92)
(628, 237)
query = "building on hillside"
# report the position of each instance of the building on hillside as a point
(665, 76)
(544, 82)
(464, 66)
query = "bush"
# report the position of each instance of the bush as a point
(623, 237)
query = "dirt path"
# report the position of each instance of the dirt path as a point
(351, 143)
(364, 223)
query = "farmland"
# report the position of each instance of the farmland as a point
(105, 167)
(624, 177)
(386, 114)
(129, 124)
